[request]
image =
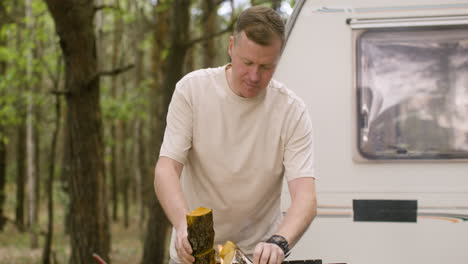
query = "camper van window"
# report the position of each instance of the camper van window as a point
(412, 92)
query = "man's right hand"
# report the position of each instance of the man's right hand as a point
(182, 245)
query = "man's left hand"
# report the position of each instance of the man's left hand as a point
(268, 253)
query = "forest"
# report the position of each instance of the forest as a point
(84, 91)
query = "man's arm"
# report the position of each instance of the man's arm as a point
(170, 196)
(302, 211)
(300, 214)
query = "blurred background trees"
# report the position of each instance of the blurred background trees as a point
(84, 90)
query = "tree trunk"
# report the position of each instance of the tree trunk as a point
(156, 240)
(113, 172)
(66, 171)
(20, 176)
(189, 64)
(20, 220)
(46, 255)
(31, 144)
(116, 162)
(50, 183)
(155, 248)
(3, 218)
(126, 131)
(137, 155)
(209, 26)
(179, 37)
(124, 173)
(2, 135)
(37, 143)
(32, 174)
(138, 144)
(89, 221)
(125, 147)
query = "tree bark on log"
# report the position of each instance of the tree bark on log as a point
(201, 235)
(89, 220)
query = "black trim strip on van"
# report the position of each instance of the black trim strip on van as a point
(385, 210)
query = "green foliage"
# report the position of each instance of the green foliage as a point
(146, 43)
(126, 108)
(8, 114)
(38, 7)
(27, 48)
(128, 17)
(163, 5)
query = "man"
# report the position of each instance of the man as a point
(235, 134)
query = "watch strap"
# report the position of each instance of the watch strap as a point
(281, 242)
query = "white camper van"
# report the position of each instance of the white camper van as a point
(387, 86)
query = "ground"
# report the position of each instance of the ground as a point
(127, 243)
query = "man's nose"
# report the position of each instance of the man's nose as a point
(254, 74)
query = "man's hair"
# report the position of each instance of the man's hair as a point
(261, 24)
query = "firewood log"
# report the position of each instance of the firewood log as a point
(228, 248)
(207, 257)
(201, 235)
(231, 254)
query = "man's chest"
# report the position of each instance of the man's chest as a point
(238, 137)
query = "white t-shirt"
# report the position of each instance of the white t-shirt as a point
(236, 152)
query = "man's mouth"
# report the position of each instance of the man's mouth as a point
(251, 86)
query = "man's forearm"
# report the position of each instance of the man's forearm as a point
(169, 191)
(302, 211)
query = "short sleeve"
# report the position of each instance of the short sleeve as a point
(178, 134)
(298, 154)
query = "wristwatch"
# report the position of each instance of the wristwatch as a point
(281, 242)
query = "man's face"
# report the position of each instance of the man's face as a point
(253, 65)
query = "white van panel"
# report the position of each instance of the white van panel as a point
(317, 65)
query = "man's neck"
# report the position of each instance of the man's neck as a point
(229, 79)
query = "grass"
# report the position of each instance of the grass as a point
(127, 243)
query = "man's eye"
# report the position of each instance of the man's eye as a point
(248, 63)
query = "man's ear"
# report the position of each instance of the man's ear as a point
(231, 46)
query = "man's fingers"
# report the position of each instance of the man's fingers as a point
(277, 255)
(257, 253)
(188, 250)
(186, 245)
(266, 253)
(274, 254)
(261, 253)
(182, 245)
(273, 258)
(184, 256)
(184, 250)
(265, 257)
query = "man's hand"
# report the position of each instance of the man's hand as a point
(268, 253)
(182, 245)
